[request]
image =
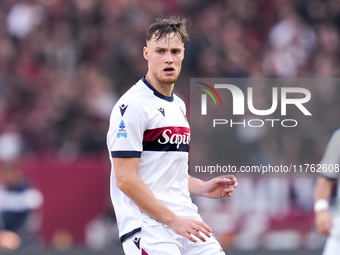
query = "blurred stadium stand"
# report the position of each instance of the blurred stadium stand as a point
(63, 64)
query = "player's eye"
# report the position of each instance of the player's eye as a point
(160, 51)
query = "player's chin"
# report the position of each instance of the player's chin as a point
(169, 79)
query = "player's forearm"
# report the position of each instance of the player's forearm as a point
(323, 219)
(195, 186)
(323, 188)
(322, 193)
(135, 188)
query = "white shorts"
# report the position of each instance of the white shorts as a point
(158, 239)
(332, 246)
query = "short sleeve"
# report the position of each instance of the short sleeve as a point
(331, 158)
(127, 126)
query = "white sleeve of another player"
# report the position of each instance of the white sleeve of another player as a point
(127, 126)
(331, 157)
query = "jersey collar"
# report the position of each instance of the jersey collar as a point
(156, 93)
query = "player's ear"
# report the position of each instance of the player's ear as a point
(145, 53)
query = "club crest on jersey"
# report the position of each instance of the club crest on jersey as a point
(122, 109)
(161, 109)
(122, 130)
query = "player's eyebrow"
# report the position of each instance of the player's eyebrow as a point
(178, 49)
(171, 49)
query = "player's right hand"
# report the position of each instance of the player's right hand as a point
(323, 222)
(190, 228)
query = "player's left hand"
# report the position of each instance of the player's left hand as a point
(221, 186)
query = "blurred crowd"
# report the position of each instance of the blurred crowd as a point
(63, 63)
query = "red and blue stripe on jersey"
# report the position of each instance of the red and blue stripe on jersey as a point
(167, 139)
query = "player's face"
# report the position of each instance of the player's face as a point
(164, 59)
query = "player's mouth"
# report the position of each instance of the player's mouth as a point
(169, 70)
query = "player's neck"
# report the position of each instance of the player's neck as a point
(165, 89)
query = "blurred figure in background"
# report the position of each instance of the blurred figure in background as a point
(323, 190)
(18, 204)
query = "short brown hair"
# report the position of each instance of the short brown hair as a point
(167, 25)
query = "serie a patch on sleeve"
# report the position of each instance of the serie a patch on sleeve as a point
(122, 132)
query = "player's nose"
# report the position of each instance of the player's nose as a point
(168, 57)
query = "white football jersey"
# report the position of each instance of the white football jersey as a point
(331, 158)
(153, 127)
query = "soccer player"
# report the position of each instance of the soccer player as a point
(323, 219)
(148, 140)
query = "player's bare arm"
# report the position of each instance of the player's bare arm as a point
(221, 186)
(134, 187)
(323, 219)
